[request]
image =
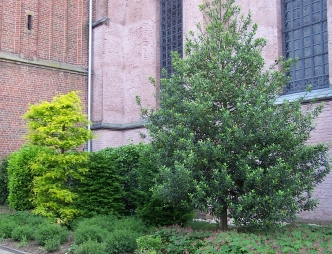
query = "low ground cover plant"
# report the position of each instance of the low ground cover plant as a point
(295, 238)
(25, 227)
(109, 234)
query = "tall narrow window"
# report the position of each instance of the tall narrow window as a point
(171, 32)
(305, 38)
(29, 22)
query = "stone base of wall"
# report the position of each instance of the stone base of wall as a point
(104, 138)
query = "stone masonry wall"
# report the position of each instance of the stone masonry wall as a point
(125, 54)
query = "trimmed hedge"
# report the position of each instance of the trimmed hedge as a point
(119, 181)
(3, 181)
(20, 177)
(101, 190)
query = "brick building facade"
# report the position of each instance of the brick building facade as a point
(43, 51)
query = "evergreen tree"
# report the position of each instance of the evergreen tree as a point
(223, 143)
(59, 126)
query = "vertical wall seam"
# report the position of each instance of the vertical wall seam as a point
(79, 34)
(1, 22)
(65, 43)
(50, 45)
(17, 27)
(37, 27)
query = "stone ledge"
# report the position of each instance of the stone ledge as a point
(117, 126)
(319, 95)
(19, 59)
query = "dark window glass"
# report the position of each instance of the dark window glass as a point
(305, 38)
(29, 22)
(171, 32)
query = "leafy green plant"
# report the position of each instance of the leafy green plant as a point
(223, 143)
(52, 244)
(148, 244)
(46, 231)
(7, 226)
(24, 241)
(3, 181)
(91, 232)
(135, 164)
(90, 247)
(60, 126)
(127, 160)
(122, 240)
(96, 228)
(118, 235)
(180, 240)
(168, 214)
(23, 232)
(289, 239)
(286, 239)
(20, 177)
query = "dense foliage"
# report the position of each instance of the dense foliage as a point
(111, 234)
(134, 165)
(20, 177)
(60, 126)
(224, 144)
(101, 190)
(3, 181)
(119, 180)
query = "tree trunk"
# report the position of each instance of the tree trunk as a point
(223, 219)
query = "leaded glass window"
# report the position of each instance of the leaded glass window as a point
(171, 32)
(305, 38)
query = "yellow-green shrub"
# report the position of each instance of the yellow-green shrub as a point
(60, 126)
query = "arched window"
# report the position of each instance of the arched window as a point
(305, 37)
(171, 32)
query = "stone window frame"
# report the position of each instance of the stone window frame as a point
(319, 94)
(31, 14)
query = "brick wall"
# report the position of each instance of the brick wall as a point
(22, 85)
(59, 29)
(29, 71)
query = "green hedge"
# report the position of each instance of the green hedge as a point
(119, 181)
(20, 177)
(101, 190)
(3, 181)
